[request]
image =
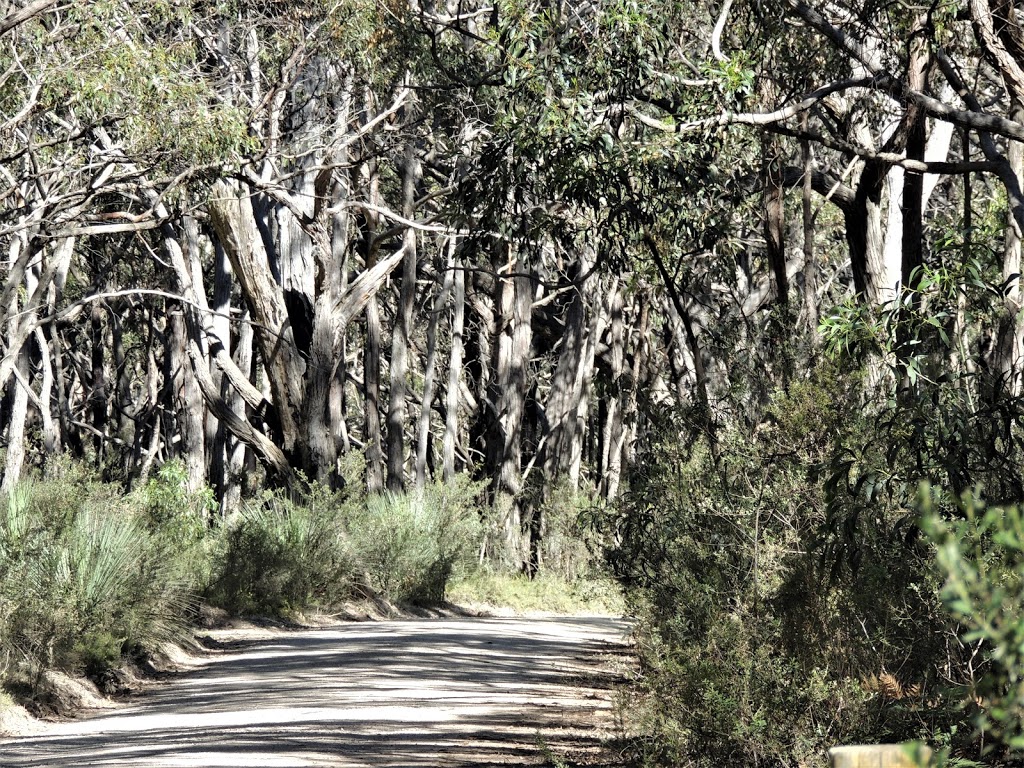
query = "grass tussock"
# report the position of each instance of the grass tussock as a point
(91, 575)
(87, 576)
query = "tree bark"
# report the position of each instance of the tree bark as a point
(514, 303)
(402, 333)
(774, 216)
(451, 428)
(232, 217)
(423, 437)
(1009, 338)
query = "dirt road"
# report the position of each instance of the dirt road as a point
(463, 692)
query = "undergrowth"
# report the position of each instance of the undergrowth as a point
(547, 593)
(286, 555)
(87, 576)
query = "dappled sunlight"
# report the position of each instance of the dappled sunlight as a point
(397, 693)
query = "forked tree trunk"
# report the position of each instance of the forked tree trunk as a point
(232, 217)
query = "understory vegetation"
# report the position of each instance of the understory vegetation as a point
(846, 568)
(92, 578)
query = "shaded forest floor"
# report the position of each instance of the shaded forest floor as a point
(453, 691)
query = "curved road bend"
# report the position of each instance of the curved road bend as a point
(463, 692)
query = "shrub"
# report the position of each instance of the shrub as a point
(82, 578)
(766, 635)
(981, 556)
(284, 557)
(410, 544)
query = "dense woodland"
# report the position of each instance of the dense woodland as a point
(737, 277)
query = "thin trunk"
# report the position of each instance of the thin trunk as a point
(15, 459)
(611, 439)
(51, 432)
(810, 268)
(1009, 341)
(451, 427)
(774, 216)
(960, 358)
(339, 248)
(703, 396)
(216, 433)
(373, 437)
(238, 452)
(122, 377)
(97, 380)
(430, 369)
(402, 333)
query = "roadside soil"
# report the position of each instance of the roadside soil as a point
(409, 693)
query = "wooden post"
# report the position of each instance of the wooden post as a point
(909, 755)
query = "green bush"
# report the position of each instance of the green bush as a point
(409, 545)
(283, 557)
(981, 556)
(766, 635)
(83, 578)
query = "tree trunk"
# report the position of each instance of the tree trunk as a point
(187, 402)
(430, 369)
(402, 333)
(774, 216)
(238, 451)
(614, 428)
(232, 217)
(514, 303)
(810, 267)
(216, 433)
(451, 428)
(97, 381)
(1009, 340)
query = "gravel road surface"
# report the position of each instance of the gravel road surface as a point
(442, 692)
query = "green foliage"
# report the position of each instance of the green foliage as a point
(570, 547)
(756, 648)
(285, 556)
(981, 556)
(83, 578)
(409, 545)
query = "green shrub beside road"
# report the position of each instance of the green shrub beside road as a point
(85, 577)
